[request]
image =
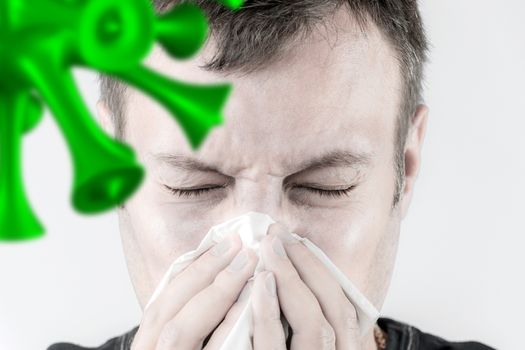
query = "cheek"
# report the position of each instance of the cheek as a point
(347, 236)
(163, 231)
(361, 238)
(359, 243)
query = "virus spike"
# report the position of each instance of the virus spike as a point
(109, 29)
(196, 107)
(41, 41)
(33, 113)
(232, 4)
(17, 219)
(109, 174)
(183, 30)
(8, 11)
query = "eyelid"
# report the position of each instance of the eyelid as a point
(198, 187)
(193, 192)
(194, 188)
(304, 193)
(318, 186)
(330, 192)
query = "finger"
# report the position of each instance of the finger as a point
(225, 327)
(205, 310)
(310, 328)
(187, 283)
(336, 307)
(268, 332)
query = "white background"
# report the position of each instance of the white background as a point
(460, 269)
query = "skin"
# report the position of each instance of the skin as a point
(329, 91)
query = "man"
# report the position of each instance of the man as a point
(323, 132)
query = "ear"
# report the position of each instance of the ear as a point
(105, 118)
(412, 154)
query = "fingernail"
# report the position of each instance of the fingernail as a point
(270, 284)
(222, 247)
(239, 261)
(284, 235)
(278, 247)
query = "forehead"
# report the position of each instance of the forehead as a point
(334, 89)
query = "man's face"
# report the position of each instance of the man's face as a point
(333, 93)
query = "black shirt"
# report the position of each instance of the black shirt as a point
(400, 336)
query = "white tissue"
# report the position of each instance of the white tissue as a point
(252, 227)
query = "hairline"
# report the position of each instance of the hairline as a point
(411, 82)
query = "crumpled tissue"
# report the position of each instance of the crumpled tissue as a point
(252, 227)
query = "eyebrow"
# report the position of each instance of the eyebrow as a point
(334, 158)
(184, 162)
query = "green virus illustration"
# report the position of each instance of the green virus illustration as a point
(41, 41)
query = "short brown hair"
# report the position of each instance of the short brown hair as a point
(253, 36)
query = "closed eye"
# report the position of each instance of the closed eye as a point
(188, 193)
(330, 193)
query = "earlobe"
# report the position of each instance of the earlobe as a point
(412, 154)
(105, 118)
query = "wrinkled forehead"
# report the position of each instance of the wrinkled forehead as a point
(338, 87)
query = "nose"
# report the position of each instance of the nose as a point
(261, 194)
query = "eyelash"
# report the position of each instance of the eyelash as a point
(320, 192)
(330, 193)
(191, 193)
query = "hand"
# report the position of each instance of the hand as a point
(195, 300)
(312, 301)
(223, 330)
